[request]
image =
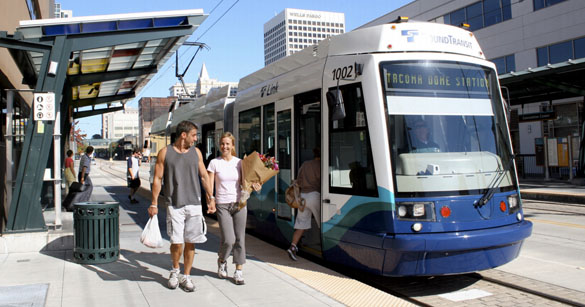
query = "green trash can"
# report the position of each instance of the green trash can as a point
(96, 232)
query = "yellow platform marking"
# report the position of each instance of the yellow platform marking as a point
(557, 223)
(345, 290)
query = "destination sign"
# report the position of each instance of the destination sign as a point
(438, 79)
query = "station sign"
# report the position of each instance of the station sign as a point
(44, 106)
(540, 116)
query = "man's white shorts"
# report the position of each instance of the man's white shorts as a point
(186, 224)
(312, 206)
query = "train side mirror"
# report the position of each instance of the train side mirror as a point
(335, 103)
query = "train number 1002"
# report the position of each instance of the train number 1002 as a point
(343, 73)
(349, 72)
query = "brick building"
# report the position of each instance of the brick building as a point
(150, 108)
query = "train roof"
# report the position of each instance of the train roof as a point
(204, 109)
(410, 36)
(159, 124)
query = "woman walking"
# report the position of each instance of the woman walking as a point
(225, 172)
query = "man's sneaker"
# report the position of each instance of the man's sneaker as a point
(239, 277)
(222, 269)
(174, 279)
(187, 284)
(292, 252)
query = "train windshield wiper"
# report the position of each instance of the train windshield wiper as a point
(497, 180)
(491, 188)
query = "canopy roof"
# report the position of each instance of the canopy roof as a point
(545, 83)
(111, 72)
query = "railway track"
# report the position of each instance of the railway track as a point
(490, 288)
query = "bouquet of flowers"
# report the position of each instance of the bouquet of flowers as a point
(256, 168)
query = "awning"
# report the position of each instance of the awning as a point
(114, 73)
(545, 83)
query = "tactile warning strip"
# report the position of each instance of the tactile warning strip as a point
(340, 288)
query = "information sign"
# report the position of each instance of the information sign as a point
(44, 106)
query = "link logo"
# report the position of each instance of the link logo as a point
(410, 34)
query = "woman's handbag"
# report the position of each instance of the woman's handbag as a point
(293, 196)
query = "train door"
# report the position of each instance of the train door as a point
(307, 138)
(284, 155)
(347, 170)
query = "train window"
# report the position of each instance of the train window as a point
(249, 131)
(268, 130)
(351, 166)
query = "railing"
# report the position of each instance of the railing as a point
(527, 169)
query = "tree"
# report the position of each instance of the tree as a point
(77, 136)
(96, 137)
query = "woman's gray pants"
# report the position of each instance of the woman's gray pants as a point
(232, 226)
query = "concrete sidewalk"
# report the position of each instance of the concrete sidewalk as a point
(52, 278)
(553, 191)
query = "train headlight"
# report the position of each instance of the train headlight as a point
(513, 203)
(416, 227)
(418, 211)
(402, 211)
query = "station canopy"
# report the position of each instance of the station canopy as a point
(545, 83)
(113, 73)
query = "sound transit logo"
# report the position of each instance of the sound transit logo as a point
(410, 34)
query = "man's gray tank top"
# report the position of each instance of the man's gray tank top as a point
(181, 178)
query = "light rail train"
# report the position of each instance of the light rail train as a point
(417, 169)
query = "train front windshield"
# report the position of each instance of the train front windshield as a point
(448, 134)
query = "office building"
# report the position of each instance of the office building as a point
(58, 12)
(538, 47)
(116, 125)
(293, 30)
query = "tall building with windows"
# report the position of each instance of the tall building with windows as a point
(538, 47)
(116, 125)
(58, 12)
(293, 30)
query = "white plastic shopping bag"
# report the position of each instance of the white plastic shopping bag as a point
(151, 234)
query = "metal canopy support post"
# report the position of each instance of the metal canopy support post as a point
(570, 146)
(9, 158)
(25, 211)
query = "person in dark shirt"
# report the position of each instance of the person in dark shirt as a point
(420, 140)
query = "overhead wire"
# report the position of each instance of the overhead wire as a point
(181, 56)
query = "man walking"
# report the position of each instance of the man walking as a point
(83, 175)
(132, 175)
(180, 166)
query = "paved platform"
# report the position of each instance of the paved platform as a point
(554, 190)
(139, 277)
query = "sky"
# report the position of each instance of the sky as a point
(235, 41)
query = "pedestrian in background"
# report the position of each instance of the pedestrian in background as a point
(180, 166)
(83, 175)
(225, 172)
(132, 175)
(69, 171)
